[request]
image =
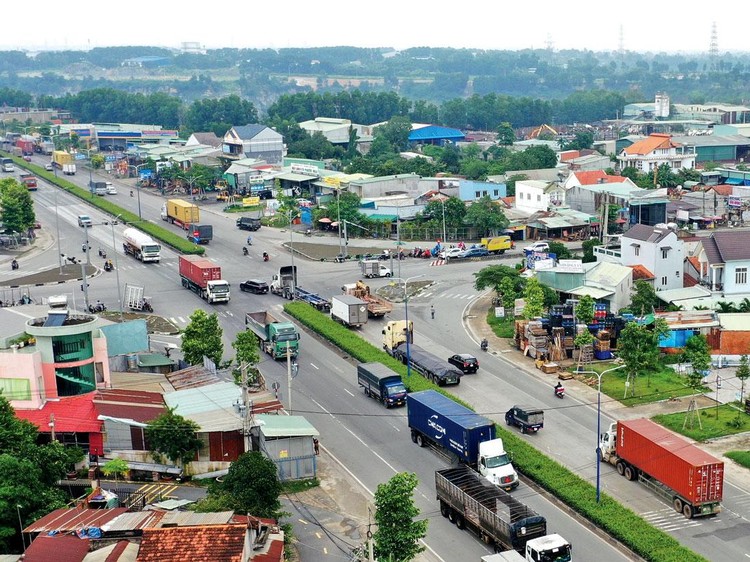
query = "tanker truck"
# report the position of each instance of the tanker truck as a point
(140, 245)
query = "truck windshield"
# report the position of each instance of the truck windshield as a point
(287, 337)
(151, 249)
(220, 289)
(396, 389)
(558, 554)
(499, 460)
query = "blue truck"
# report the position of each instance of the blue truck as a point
(200, 233)
(382, 384)
(435, 419)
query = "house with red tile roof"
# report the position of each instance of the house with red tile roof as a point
(655, 150)
(592, 177)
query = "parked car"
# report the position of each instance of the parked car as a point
(467, 363)
(254, 286)
(111, 189)
(450, 253)
(538, 247)
(85, 220)
(474, 253)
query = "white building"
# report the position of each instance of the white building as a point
(655, 150)
(535, 195)
(657, 249)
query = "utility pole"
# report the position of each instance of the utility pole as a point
(289, 376)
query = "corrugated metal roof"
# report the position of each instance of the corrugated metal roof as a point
(192, 519)
(133, 520)
(285, 426)
(209, 398)
(71, 519)
(608, 274)
(593, 292)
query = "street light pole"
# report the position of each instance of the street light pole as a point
(57, 227)
(599, 423)
(338, 219)
(409, 333)
(444, 240)
(117, 265)
(291, 249)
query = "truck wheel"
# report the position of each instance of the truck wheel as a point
(444, 509)
(367, 392)
(452, 516)
(460, 523)
(620, 468)
(420, 440)
(687, 511)
(413, 436)
(677, 504)
(630, 474)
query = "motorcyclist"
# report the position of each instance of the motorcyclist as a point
(265, 256)
(484, 345)
(14, 265)
(249, 240)
(131, 192)
(559, 389)
(244, 250)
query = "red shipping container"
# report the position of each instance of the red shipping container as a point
(199, 270)
(672, 460)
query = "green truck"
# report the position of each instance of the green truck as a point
(275, 337)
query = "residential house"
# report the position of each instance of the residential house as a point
(254, 141)
(591, 177)
(472, 190)
(724, 262)
(659, 250)
(594, 161)
(655, 150)
(205, 139)
(607, 283)
(383, 186)
(591, 198)
(534, 195)
(684, 324)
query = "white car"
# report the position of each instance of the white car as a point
(450, 253)
(111, 189)
(538, 247)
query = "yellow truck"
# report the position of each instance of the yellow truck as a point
(60, 158)
(498, 244)
(180, 212)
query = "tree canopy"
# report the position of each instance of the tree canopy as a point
(202, 336)
(173, 436)
(16, 205)
(398, 534)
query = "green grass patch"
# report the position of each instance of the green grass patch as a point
(648, 388)
(742, 458)
(620, 522)
(502, 327)
(239, 208)
(297, 486)
(726, 424)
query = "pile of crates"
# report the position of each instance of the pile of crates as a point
(602, 350)
(537, 340)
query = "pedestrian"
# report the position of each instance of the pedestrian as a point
(432, 312)
(249, 240)
(316, 446)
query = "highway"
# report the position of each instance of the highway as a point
(371, 442)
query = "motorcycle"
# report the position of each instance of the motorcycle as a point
(265, 256)
(102, 253)
(131, 193)
(13, 265)
(308, 232)
(108, 265)
(559, 391)
(98, 307)
(146, 306)
(484, 345)
(244, 250)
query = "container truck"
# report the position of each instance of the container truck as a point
(373, 268)
(200, 233)
(284, 282)
(275, 337)
(685, 475)
(468, 500)
(313, 299)
(203, 277)
(376, 307)
(26, 144)
(348, 310)
(140, 245)
(29, 180)
(430, 366)
(434, 419)
(382, 384)
(69, 169)
(180, 212)
(61, 157)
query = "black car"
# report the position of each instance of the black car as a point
(248, 223)
(467, 363)
(254, 286)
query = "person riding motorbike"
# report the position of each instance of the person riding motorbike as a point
(14, 265)
(131, 192)
(559, 390)
(484, 345)
(249, 240)
(265, 256)
(244, 250)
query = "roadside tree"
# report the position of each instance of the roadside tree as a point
(698, 354)
(486, 216)
(534, 296)
(398, 535)
(251, 487)
(639, 349)
(172, 436)
(16, 206)
(585, 309)
(202, 336)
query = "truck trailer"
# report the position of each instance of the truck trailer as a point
(180, 212)
(348, 310)
(200, 233)
(434, 419)
(382, 384)
(275, 338)
(140, 245)
(313, 299)
(376, 306)
(203, 277)
(468, 500)
(685, 475)
(61, 157)
(431, 367)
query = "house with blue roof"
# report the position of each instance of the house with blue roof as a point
(434, 134)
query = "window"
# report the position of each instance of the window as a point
(528, 196)
(664, 280)
(636, 250)
(476, 195)
(664, 253)
(496, 193)
(538, 198)
(740, 276)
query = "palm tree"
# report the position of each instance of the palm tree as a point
(744, 305)
(723, 306)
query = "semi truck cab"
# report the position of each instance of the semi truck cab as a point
(495, 465)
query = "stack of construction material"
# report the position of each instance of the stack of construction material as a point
(538, 340)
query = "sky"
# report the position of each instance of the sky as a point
(597, 26)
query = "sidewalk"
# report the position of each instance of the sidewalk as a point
(737, 474)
